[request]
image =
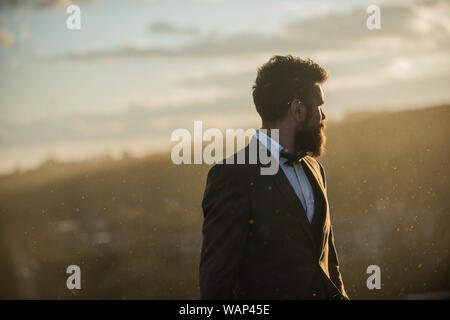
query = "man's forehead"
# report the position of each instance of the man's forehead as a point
(318, 94)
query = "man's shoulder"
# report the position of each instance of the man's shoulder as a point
(235, 166)
(314, 162)
(317, 166)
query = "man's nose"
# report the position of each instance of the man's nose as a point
(323, 114)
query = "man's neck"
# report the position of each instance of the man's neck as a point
(286, 139)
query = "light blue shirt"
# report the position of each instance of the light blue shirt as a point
(295, 174)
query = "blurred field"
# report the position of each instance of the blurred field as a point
(134, 225)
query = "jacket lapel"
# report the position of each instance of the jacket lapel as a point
(288, 192)
(321, 202)
(285, 188)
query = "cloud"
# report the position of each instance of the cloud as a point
(144, 120)
(411, 28)
(41, 4)
(174, 98)
(356, 58)
(209, 1)
(97, 129)
(13, 64)
(7, 39)
(306, 7)
(131, 51)
(167, 28)
(24, 33)
(52, 4)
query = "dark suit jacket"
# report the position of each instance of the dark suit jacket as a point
(257, 240)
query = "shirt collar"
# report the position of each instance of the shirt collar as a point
(268, 142)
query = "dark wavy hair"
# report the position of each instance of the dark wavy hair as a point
(281, 80)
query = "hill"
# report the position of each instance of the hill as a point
(134, 225)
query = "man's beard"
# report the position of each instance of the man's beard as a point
(311, 139)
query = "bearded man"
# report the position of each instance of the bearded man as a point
(270, 236)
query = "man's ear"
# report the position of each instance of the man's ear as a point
(297, 110)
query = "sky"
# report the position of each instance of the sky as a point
(139, 69)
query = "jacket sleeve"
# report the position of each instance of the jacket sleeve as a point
(226, 212)
(333, 261)
(333, 265)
